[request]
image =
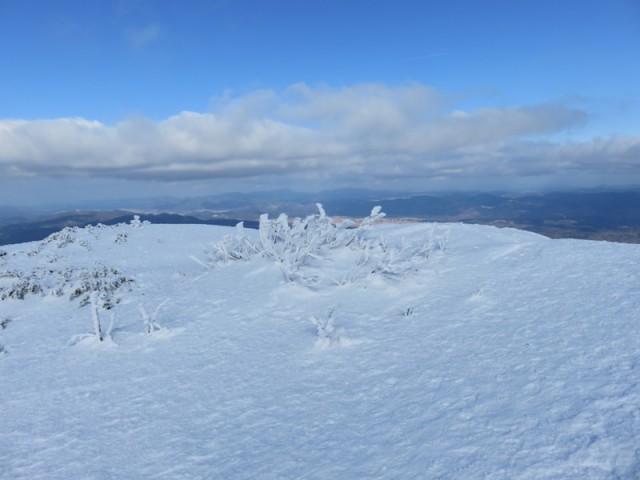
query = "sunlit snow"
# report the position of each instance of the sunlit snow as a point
(494, 354)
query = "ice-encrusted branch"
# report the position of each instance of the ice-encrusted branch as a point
(325, 328)
(150, 322)
(95, 315)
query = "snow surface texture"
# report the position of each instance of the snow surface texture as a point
(496, 354)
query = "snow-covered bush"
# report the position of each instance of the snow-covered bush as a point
(95, 315)
(407, 312)
(73, 236)
(292, 244)
(325, 329)
(98, 334)
(121, 238)
(102, 279)
(150, 321)
(61, 239)
(3, 324)
(137, 223)
(78, 283)
(300, 244)
(20, 285)
(231, 248)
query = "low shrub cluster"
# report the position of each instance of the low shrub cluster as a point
(299, 245)
(77, 283)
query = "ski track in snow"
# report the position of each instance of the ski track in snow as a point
(507, 356)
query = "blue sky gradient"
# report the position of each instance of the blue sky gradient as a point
(194, 97)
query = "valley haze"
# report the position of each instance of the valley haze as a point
(612, 215)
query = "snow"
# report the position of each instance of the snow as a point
(503, 355)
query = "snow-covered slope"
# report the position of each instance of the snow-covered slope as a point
(493, 354)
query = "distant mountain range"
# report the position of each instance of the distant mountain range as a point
(597, 215)
(37, 229)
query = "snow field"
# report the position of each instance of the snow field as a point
(506, 355)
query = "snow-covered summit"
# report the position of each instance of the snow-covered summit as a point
(318, 351)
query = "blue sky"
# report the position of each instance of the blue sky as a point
(142, 97)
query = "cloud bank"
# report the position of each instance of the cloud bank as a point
(368, 131)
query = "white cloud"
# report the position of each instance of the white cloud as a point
(370, 132)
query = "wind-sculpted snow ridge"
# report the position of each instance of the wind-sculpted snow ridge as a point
(302, 248)
(489, 354)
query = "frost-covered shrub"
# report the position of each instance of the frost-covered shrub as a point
(78, 283)
(231, 248)
(121, 238)
(105, 280)
(99, 334)
(21, 286)
(407, 312)
(298, 245)
(95, 315)
(3, 324)
(325, 329)
(137, 223)
(151, 321)
(292, 244)
(61, 239)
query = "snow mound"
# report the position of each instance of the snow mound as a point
(308, 350)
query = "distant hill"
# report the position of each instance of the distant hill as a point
(30, 231)
(596, 215)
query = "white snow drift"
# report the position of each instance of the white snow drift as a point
(411, 351)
